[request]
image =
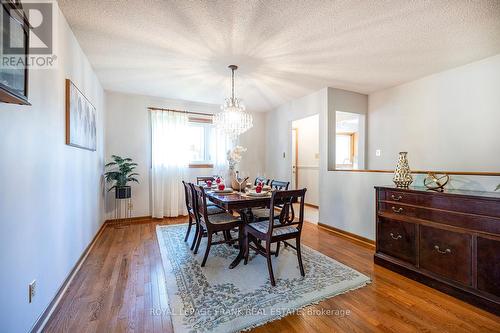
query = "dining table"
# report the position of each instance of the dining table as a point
(243, 204)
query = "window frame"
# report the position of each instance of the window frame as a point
(352, 142)
(205, 123)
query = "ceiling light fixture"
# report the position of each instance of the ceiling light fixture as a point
(233, 119)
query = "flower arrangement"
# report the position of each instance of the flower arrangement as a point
(234, 156)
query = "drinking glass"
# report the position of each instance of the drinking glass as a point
(241, 177)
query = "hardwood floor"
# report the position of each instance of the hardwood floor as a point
(122, 280)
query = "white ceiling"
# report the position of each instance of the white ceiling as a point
(285, 49)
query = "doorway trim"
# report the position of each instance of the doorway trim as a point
(295, 132)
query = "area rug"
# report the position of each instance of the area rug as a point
(215, 298)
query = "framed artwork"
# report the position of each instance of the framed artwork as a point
(80, 119)
(14, 77)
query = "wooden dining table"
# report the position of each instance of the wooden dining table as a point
(243, 204)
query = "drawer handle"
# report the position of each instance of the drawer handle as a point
(395, 237)
(397, 210)
(441, 251)
(396, 199)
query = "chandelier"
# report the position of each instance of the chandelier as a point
(233, 119)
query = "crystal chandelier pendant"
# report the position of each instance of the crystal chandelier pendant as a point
(233, 119)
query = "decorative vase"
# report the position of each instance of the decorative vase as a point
(123, 192)
(402, 174)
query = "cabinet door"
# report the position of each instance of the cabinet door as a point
(446, 253)
(397, 239)
(488, 265)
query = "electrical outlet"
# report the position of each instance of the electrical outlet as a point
(377, 152)
(32, 291)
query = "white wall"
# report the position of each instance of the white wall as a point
(347, 199)
(279, 129)
(51, 202)
(308, 156)
(431, 117)
(128, 133)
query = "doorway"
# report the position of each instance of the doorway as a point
(305, 163)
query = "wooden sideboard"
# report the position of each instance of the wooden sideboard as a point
(448, 240)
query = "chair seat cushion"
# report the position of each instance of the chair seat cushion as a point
(263, 226)
(223, 218)
(214, 210)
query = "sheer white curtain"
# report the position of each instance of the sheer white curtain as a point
(169, 162)
(219, 145)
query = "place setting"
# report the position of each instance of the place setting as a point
(259, 190)
(217, 186)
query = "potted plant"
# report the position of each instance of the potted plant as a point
(121, 173)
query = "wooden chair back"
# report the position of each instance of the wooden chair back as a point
(188, 194)
(279, 185)
(262, 180)
(200, 202)
(284, 200)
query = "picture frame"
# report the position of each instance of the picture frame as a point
(14, 80)
(81, 126)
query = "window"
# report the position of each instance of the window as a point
(349, 140)
(344, 148)
(199, 137)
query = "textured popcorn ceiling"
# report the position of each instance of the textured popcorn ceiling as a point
(285, 49)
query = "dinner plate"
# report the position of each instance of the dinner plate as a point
(255, 194)
(226, 190)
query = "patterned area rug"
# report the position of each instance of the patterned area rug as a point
(215, 298)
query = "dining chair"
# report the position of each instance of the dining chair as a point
(210, 224)
(262, 180)
(190, 205)
(188, 197)
(260, 214)
(284, 227)
(202, 180)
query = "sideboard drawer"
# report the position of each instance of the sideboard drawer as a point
(430, 200)
(397, 209)
(400, 197)
(446, 253)
(397, 239)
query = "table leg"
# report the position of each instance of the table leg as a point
(241, 240)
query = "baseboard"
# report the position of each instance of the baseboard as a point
(44, 317)
(129, 220)
(358, 239)
(311, 205)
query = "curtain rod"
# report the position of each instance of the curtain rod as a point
(180, 111)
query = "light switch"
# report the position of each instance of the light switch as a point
(377, 152)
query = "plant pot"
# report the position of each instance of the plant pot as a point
(123, 192)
